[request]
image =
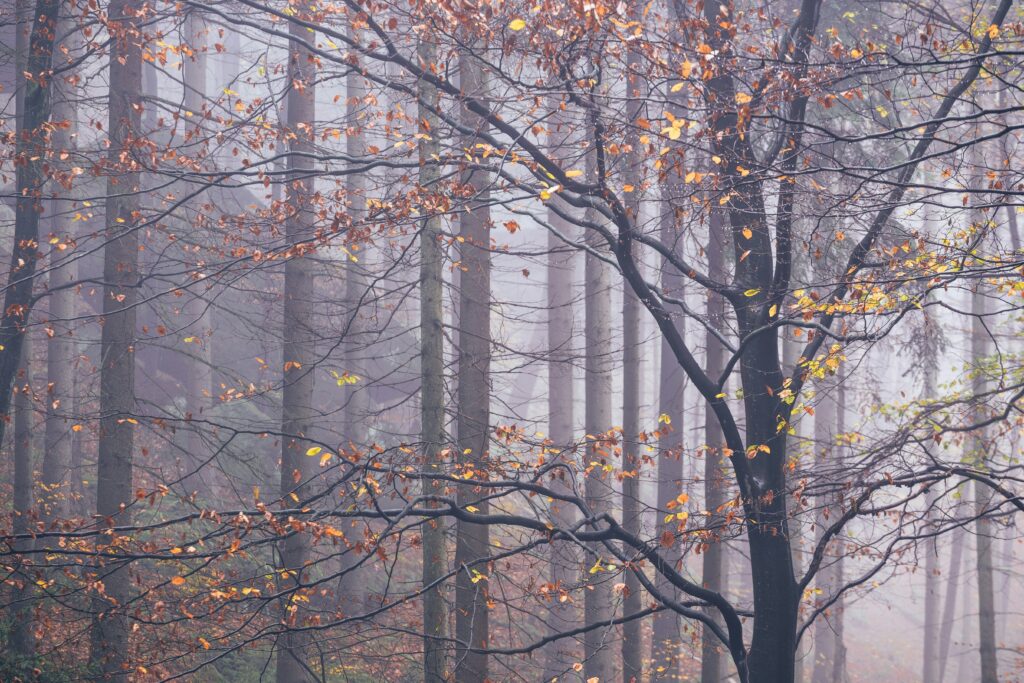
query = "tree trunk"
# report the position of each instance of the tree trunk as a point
(22, 640)
(791, 359)
(632, 639)
(356, 396)
(564, 558)
(949, 606)
(435, 561)
(473, 397)
(199, 385)
(61, 347)
(932, 583)
(711, 670)
(294, 659)
(32, 115)
(666, 640)
(825, 420)
(984, 527)
(110, 655)
(597, 602)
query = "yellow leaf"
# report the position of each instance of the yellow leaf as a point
(743, 98)
(315, 450)
(687, 69)
(575, 173)
(672, 132)
(472, 508)
(677, 87)
(747, 233)
(993, 31)
(772, 311)
(751, 292)
(664, 419)
(517, 24)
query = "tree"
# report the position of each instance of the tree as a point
(435, 561)
(297, 410)
(109, 655)
(472, 541)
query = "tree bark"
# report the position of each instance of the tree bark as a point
(61, 347)
(356, 396)
(632, 639)
(473, 397)
(714, 474)
(110, 655)
(597, 602)
(564, 558)
(294, 658)
(666, 640)
(22, 640)
(435, 561)
(984, 528)
(199, 383)
(30, 149)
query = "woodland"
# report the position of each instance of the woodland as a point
(511, 340)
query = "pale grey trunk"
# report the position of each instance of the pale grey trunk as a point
(564, 556)
(597, 603)
(825, 417)
(714, 563)
(473, 398)
(62, 346)
(294, 656)
(932, 583)
(356, 413)
(110, 652)
(984, 527)
(632, 639)
(949, 605)
(199, 383)
(435, 560)
(22, 640)
(791, 352)
(666, 640)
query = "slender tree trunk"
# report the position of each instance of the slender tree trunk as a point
(294, 659)
(110, 655)
(838, 615)
(985, 529)
(632, 662)
(199, 384)
(666, 640)
(711, 670)
(791, 353)
(473, 540)
(61, 347)
(825, 420)
(932, 584)
(597, 602)
(356, 414)
(632, 640)
(435, 562)
(949, 605)
(564, 558)
(30, 148)
(22, 639)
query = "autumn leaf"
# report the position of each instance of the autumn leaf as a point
(178, 581)
(517, 25)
